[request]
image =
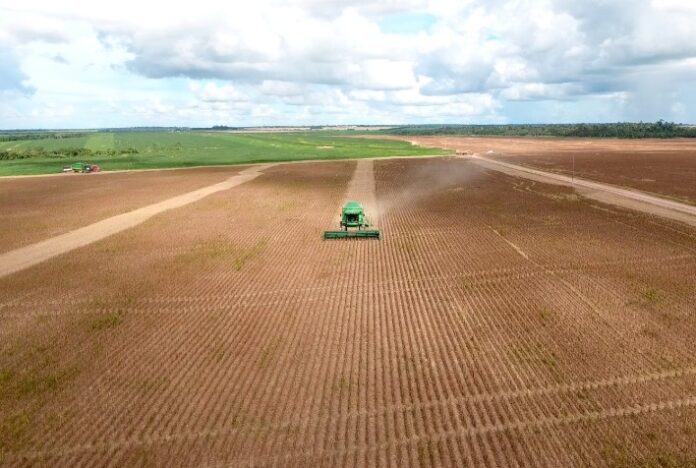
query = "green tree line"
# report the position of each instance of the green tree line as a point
(38, 136)
(659, 129)
(26, 153)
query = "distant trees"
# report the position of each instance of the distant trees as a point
(34, 135)
(223, 127)
(659, 129)
(38, 152)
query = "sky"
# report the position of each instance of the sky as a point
(87, 64)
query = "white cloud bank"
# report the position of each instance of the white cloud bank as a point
(79, 63)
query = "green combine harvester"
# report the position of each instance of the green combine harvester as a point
(352, 216)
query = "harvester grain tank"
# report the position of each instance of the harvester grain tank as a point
(352, 217)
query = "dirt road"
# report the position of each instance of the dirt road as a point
(662, 167)
(33, 210)
(25, 257)
(605, 193)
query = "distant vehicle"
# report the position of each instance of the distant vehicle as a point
(82, 167)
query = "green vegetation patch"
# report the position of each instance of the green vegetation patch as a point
(534, 354)
(215, 252)
(544, 314)
(203, 254)
(12, 428)
(4, 377)
(101, 142)
(169, 149)
(657, 453)
(650, 295)
(269, 353)
(106, 321)
(242, 256)
(26, 390)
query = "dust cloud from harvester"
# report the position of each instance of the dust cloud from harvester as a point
(430, 181)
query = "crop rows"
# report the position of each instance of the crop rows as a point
(462, 337)
(663, 167)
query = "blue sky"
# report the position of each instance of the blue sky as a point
(78, 64)
(406, 22)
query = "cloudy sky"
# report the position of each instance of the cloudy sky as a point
(77, 64)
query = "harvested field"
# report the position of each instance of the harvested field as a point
(26, 257)
(500, 322)
(35, 209)
(662, 167)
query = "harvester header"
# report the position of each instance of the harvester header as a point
(352, 216)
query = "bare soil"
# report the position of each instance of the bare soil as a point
(499, 322)
(33, 209)
(663, 167)
(605, 193)
(26, 257)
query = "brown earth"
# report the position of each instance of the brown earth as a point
(662, 167)
(36, 208)
(499, 322)
(28, 256)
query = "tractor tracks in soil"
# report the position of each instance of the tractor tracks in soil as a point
(518, 422)
(28, 256)
(599, 312)
(524, 425)
(52, 307)
(511, 244)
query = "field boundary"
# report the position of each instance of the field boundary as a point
(30, 255)
(218, 166)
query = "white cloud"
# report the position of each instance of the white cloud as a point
(211, 92)
(324, 61)
(281, 88)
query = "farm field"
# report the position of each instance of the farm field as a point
(662, 167)
(36, 209)
(168, 149)
(499, 322)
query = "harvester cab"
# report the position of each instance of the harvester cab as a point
(352, 216)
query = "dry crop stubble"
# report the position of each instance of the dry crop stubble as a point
(239, 228)
(666, 167)
(34, 209)
(622, 266)
(525, 211)
(438, 345)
